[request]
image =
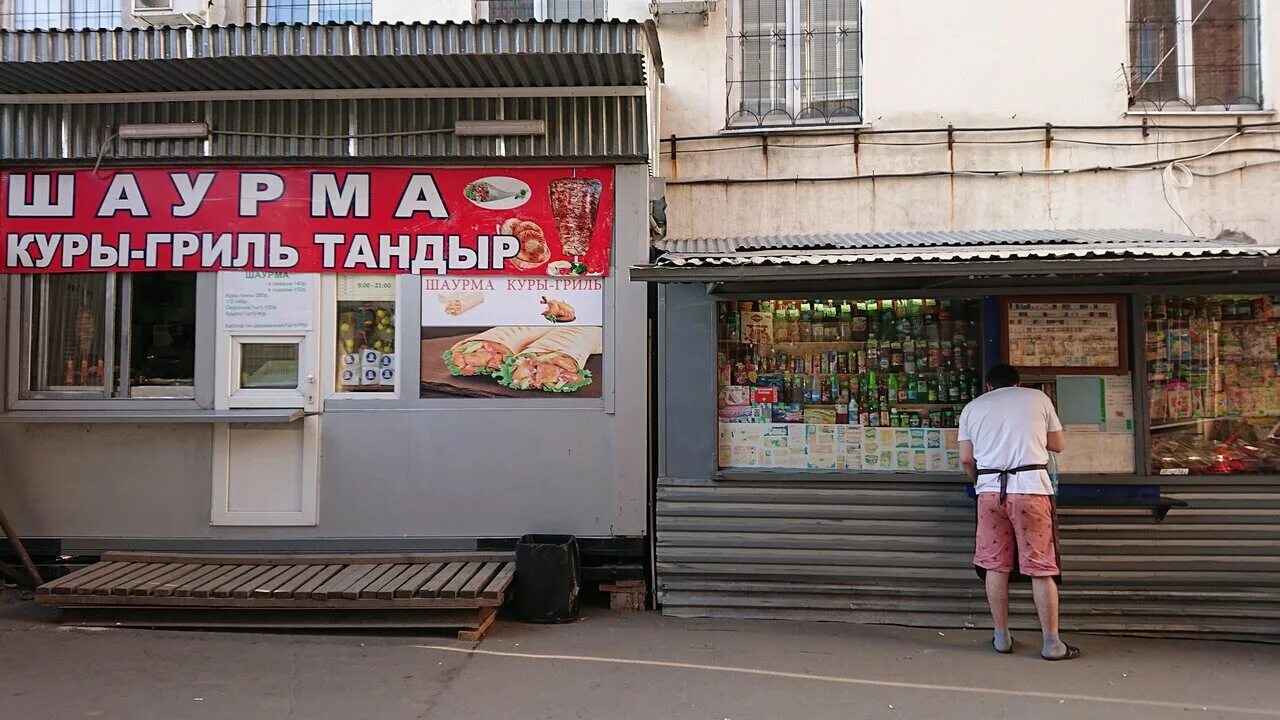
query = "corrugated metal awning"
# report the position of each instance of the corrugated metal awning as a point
(935, 254)
(328, 57)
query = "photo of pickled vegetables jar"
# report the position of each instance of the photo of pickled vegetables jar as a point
(366, 342)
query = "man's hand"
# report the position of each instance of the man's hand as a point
(968, 462)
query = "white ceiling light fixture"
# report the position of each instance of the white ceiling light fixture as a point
(164, 131)
(499, 127)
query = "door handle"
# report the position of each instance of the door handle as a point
(311, 379)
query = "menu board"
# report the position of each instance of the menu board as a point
(267, 300)
(1065, 335)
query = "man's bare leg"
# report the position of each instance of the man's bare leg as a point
(998, 600)
(1045, 591)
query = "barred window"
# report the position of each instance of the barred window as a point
(795, 62)
(510, 10)
(64, 14)
(1194, 54)
(309, 11)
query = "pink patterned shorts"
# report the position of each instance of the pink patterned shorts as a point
(1024, 519)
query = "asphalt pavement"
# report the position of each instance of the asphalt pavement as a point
(617, 666)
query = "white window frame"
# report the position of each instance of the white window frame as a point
(313, 8)
(117, 342)
(301, 395)
(794, 72)
(1184, 57)
(65, 10)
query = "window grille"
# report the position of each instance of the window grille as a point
(795, 62)
(64, 14)
(309, 11)
(1194, 54)
(555, 10)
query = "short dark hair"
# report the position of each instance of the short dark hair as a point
(1002, 376)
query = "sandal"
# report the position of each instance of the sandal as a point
(1071, 654)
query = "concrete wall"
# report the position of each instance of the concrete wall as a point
(984, 63)
(399, 472)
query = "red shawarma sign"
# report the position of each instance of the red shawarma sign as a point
(448, 221)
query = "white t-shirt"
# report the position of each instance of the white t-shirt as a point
(1008, 428)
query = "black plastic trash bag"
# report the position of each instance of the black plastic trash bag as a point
(547, 578)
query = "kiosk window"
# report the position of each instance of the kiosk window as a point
(863, 385)
(110, 335)
(366, 340)
(1213, 383)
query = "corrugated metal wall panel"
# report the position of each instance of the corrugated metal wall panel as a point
(603, 128)
(901, 554)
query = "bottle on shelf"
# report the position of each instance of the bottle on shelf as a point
(858, 323)
(893, 389)
(909, 356)
(806, 321)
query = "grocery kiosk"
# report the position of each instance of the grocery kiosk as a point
(808, 389)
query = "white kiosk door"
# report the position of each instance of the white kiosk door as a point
(268, 357)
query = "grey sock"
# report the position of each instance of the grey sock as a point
(1002, 640)
(1053, 647)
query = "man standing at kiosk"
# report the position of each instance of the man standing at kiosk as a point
(1005, 437)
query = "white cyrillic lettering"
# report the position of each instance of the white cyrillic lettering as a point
(191, 192)
(421, 195)
(429, 255)
(505, 247)
(101, 256)
(122, 245)
(185, 245)
(73, 246)
(42, 203)
(361, 253)
(15, 251)
(154, 240)
(401, 250)
(280, 255)
(329, 199)
(251, 250)
(460, 258)
(47, 246)
(330, 243)
(123, 194)
(257, 188)
(215, 250)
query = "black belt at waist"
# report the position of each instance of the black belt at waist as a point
(1004, 476)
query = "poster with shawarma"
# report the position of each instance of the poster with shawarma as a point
(512, 338)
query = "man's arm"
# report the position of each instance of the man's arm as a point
(968, 462)
(1056, 442)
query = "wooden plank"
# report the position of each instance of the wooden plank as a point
(267, 589)
(287, 589)
(421, 617)
(92, 586)
(334, 587)
(308, 559)
(498, 585)
(482, 577)
(487, 616)
(205, 584)
(252, 573)
(317, 606)
(352, 591)
(150, 586)
(68, 583)
(388, 578)
(109, 587)
(170, 587)
(437, 583)
(246, 589)
(326, 573)
(451, 589)
(419, 578)
(155, 571)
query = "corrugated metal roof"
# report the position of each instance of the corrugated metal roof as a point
(901, 254)
(896, 241)
(328, 57)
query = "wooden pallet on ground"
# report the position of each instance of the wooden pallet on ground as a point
(458, 590)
